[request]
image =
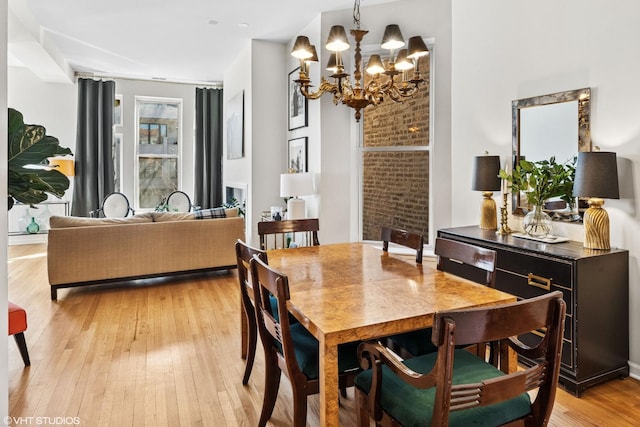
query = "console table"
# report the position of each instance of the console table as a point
(595, 285)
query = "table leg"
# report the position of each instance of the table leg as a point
(329, 387)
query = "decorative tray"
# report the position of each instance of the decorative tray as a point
(547, 239)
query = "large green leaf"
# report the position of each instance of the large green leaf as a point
(30, 145)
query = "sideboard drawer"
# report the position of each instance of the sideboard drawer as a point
(559, 273)
(525, 286)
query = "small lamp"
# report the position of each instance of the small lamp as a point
(596, 178)
(486, 179)
(64, 166)
(294, 185)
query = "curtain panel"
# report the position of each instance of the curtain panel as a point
(94, 177)
(208, 148)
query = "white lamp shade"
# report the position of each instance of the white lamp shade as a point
(296, 184)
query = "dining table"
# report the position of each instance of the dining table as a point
(348, 292)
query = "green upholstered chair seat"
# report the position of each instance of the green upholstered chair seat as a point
(274, 310)
(308, 350)
(415, 342)
(414, 407)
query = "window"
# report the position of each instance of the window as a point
(157, 149)
(395, 153)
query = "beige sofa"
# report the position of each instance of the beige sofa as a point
(88, 251)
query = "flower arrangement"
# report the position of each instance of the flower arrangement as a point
(542, 180)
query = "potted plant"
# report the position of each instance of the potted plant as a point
(29, 180)
(540, 181)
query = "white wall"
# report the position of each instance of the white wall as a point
(259, 71)
(52, 105)
(4, 359)
(505, 50)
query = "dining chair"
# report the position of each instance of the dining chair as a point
(283, 233)
(290, 348)
(17, 326)
(468, 261)
(452, 387)
(244, 253)
(114, 205)
(402, 237)
(179, 201)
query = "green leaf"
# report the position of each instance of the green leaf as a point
(30, 145)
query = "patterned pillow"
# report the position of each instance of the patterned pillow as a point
(210, 213)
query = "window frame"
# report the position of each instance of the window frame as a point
(136, 152)
(429, 240)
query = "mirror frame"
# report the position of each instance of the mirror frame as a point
(583, 96)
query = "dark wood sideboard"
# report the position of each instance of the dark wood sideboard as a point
(595, 285)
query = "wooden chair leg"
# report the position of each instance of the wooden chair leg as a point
(251, 347)
(22, 346)
(362, 414)
(299, 408)
(272, 374)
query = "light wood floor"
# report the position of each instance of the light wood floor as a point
(168, 354)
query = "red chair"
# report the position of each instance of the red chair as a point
(17, 326)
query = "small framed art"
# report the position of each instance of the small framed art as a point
(297, 103)
(297, 157)
(235, 127)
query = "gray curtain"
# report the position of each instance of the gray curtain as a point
(208, 148)
(94, 177)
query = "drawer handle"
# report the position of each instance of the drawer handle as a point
(539, 282)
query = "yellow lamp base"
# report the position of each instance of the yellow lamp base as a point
(596, 226)
(488, 213)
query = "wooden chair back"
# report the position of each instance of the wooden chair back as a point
(471, 257)
(244, 254)
(281, 230)
(278, 344)
(402, 237)
(502, 324)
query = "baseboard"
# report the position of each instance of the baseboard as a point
(634, 370)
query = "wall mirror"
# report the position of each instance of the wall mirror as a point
(555, 125)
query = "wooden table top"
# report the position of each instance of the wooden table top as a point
(356, 291)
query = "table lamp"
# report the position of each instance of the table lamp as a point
(294, 185)
(596, 178)
(486, 179)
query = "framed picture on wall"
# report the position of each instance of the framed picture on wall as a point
(297, 157)
(297, 103)
(235, 127)
(117, 110)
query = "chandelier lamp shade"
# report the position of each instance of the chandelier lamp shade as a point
(398, 78)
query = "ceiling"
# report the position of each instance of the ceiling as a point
(187, 40)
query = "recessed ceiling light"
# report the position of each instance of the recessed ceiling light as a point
(243, 25)
(213, 22)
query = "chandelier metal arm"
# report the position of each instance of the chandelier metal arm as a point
(360, 93)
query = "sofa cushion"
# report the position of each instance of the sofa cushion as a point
(75, 221)
(171, 216)
(210, 213)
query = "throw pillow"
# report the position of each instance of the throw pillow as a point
(210, 213)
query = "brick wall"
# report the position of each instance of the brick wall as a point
(396, 183)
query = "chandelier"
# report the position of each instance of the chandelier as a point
(391, 80)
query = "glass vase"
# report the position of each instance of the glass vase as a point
(33, 226)
(537, 223)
